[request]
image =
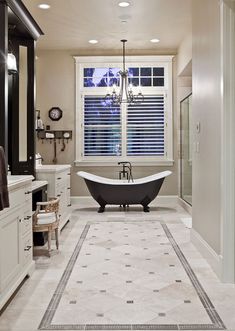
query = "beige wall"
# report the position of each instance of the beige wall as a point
(56, 87)
(207, 111)
(184, 54)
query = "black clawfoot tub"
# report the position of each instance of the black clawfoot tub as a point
(116, 192)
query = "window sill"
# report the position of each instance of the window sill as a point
(166, 163)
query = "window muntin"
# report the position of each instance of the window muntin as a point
(138, 76)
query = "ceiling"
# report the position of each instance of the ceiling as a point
(69, 24)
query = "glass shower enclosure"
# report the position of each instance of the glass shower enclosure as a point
(186, 149)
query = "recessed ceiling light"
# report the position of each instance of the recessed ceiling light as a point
(124, 4)
(155, 40)
(93, 41)
(44, 6)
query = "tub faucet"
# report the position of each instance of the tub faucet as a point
(126, 171)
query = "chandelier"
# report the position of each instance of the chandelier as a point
(125, 93)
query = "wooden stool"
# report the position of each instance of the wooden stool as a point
(46, 219)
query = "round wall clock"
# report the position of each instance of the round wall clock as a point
(55, 113)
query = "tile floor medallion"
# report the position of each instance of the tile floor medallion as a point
(129, 274)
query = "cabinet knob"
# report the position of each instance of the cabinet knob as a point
(59, 178)
(58, 195)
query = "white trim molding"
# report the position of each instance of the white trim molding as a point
(214, 260)
(82, 62)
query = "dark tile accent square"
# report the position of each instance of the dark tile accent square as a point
(155, 291)
(127, 265)
(162, 314)
(187, 301)
(130, 301)
(102, 291)
(100, 315)
(145, 248)
(127, 253)
(79, 281)
(84, 266)
(105, 273)
(107, 259)
(88, 253)
(72, 302)
(148, 259)
(171, 265)
(128, 281)
(166, 253)
(151, 272)
(178, 281)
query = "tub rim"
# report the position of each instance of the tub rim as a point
(109, 181)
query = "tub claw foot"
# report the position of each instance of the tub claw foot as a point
(101, 209)
(146, 209)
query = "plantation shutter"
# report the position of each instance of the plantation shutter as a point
(145, 127)
(102, 127)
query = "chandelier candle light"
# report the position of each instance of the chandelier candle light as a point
(126, 94)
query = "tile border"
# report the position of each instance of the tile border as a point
(217, 323)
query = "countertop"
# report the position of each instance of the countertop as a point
(52, 168)
(38, 184)
(18, 180)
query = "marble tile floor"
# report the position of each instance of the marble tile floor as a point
(126, 272)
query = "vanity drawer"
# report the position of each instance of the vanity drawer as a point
(27, 249)
(26, 223)
(28, 192)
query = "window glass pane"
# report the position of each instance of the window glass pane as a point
(158, 71)
(88, 72)
(158, 81)
(102, 127)
(133, 72)
(145, 71)
(145, 82)
(113, 81)
(134, 81)
(88, 82)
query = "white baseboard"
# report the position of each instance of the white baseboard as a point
(214, 260)
(76, 200)
(185, 205)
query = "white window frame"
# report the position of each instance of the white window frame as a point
(113, 62)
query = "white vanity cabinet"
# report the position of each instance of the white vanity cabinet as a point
(16, 256)
(58, 178)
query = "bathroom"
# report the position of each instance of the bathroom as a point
(195, 198)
